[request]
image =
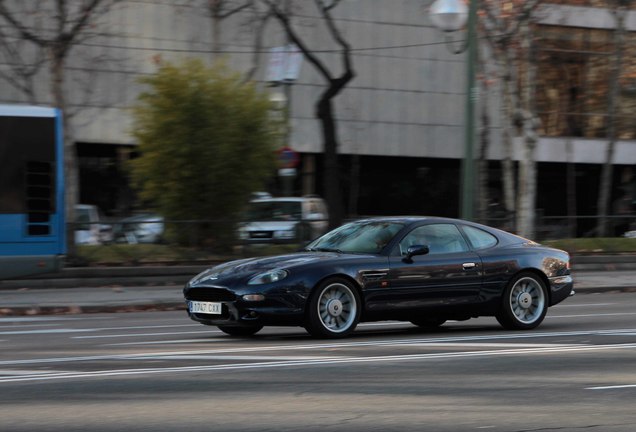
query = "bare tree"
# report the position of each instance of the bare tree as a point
(255, 23)
(484, 143)
(324, 106)
(527, 186)
(219, 11)
(67, 24)
(507, 28)
(24, 61)
(619, 11)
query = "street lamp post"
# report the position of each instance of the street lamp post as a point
(449, 16)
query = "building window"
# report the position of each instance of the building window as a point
(574, 69)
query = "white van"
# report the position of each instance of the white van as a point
(284, 220)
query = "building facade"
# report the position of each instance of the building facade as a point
(400, 121)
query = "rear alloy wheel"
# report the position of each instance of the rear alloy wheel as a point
(524, 303)
(334, 309)
(428, 323)
(240, 330)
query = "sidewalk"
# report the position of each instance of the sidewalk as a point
(22, 299)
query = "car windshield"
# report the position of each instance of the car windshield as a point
(274, 210)
(357, 237)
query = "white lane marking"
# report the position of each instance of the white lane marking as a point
(208, 331)
(91, 330)
(591, 315)
(248, 358)
(21, 372)
(50, 318)
(47, 331)
(335, 345)
(568, 305)
(202, 331)
(150, 327)
(301, 363)
(36, 325)
(167, 342)
(614, 387)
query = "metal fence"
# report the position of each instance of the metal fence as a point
(231, 233)
(222, 233)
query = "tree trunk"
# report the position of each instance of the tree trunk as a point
(526, 224)
(484, 195)
(71, 181)
(324, 108)
(571, 189)
(507, 165)
(331, 174)
(216, 37)
(354, 186)
(527, 192)
(607, 174)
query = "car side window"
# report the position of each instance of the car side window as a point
(440, 239)
(480, 239)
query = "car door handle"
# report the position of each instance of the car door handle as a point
(469, 265)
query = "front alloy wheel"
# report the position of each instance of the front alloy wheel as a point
(524, 304)
(334, 309)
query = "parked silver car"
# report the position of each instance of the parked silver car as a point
(284, 220)
(89, 226)
(141, 228)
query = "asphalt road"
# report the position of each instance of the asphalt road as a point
(158, 371)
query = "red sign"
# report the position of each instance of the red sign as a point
(288, 158)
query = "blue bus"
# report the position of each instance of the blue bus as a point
(32, 223)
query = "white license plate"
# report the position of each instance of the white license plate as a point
(205, 307)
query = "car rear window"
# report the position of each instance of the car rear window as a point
(480, 239)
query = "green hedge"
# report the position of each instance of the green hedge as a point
(595, 245)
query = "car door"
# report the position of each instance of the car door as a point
(448, 275)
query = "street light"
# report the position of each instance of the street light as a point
(450, 16)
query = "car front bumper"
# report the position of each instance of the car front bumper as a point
(275, 309)
(561, 287)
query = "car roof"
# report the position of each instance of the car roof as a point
(415, 219)
(403, 219)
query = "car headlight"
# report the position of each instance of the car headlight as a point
(268, 277)
(287, 234)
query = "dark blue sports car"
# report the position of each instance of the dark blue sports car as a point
(425, 270)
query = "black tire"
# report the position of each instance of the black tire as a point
(428, 323)
(240, 330)
(334, 309)
(524, 302)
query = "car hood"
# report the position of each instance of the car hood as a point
(252, 266)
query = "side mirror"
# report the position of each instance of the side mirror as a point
(414, 251)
